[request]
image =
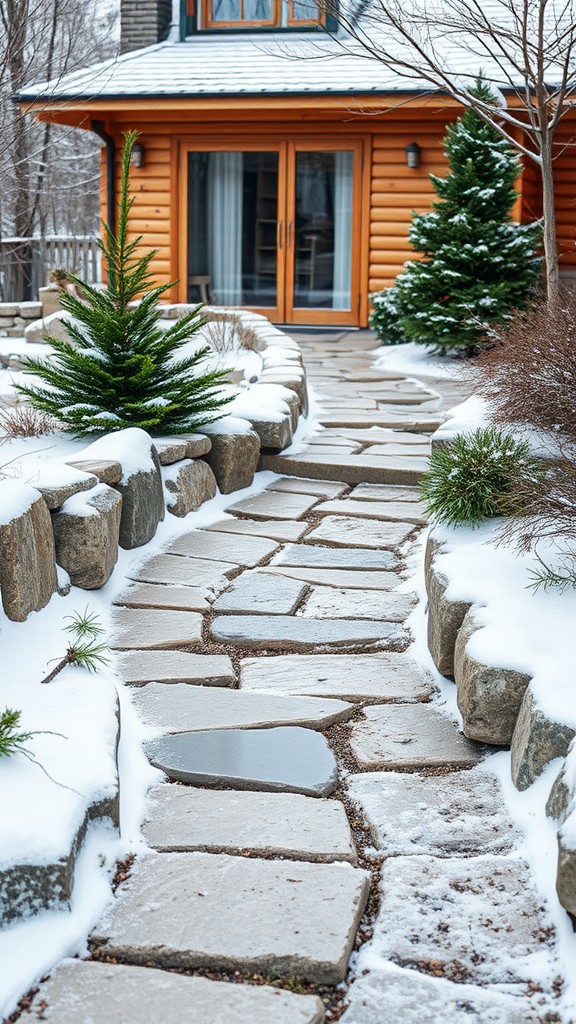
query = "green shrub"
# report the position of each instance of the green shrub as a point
(384, 317)
(477, 475)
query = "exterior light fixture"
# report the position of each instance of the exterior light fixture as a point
(137, 155)
(412, 154)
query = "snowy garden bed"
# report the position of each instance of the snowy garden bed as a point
(79, 514)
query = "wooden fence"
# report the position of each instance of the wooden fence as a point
(25, 263)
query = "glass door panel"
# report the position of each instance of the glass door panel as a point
(322, 226)
(233, 227)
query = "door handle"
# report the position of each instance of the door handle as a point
(289, 233)
(280, 234)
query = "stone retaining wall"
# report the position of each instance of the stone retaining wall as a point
(16, 316)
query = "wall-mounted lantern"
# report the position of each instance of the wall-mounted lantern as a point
(412, 154)
(137, 155)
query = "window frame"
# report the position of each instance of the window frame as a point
(199, 19)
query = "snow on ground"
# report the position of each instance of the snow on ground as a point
(413, 359)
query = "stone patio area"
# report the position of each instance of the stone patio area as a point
(316, 796)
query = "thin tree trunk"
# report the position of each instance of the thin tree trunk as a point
(549, 225)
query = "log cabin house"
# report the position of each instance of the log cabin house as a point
(274, 170)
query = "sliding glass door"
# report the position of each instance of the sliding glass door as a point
(275, 228)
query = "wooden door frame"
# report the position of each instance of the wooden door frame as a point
(285, 144)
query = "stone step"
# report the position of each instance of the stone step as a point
(312, 556)
(177, 707)
(390, 511)
(383, 418)
(271, 632)
(286, 759)
(260, 592)
(410, 736)
(369, 678)
(390, 450)
(246, 551)
(330, 603)
(320, 488)
(157, 628)
(139, 667)
(99, 993)
(150, 595)
(277, 529)
(288, 825)
(274, 505)
(462, 813)
(350, 469)
(216, 912)
(188, 572)
(351, 578)
(352, 531)
(384, 492)
(473, 919)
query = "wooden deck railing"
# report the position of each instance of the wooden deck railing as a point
(25, 263)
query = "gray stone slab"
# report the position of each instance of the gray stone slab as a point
(106, 471)
(476, 919)
(182, 708)
(391, 511)
(274, 505)
(390, 995)
(140, 628)
(410, 736)
(286, 759)
(261, 592)
(279, 529)
(370, 678)
(221, 547)
(391, 450)
(188, 572)
(349, 578)
(287, 631)
(331, 603)
(349, 532)
(308, 556)
(462, 813)
(150, 595)
(201, 910)
(180, 818)
(139, 667)
(88, 992)
(384, 492)
(170, 449)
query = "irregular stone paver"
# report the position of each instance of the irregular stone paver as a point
(278, 631)
(351, 578)
(280, 529)
(138, 667)
(476, 919)
(441, 815)
(350, 469)
(247, 551)
(258, 592)
(409, 736)
(313, 556)
(395, 469)
(287, 759)
(269, 824)
(182, 708)
(348, 531)
(422, 451)
(201, 910)
(296, 485)
(390, 995)
(94, 993)
(403, 511)
(154, 627)
(330, 603)
(272, 505)
(150, 595)
(384, 492)
(372, 679)
(191, 572)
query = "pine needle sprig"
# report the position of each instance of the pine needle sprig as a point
(13, 741)
(85, 650)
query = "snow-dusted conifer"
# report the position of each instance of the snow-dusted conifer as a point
(477, 264)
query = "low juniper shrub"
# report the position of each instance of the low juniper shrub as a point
(477, 476)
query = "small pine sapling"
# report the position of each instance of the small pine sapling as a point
(12, 739)
(121, 368)
(85, 650)
(476, 476)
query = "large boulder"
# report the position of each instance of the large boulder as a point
(234, 454)
(140, 485)
(27, 557)
(51, 326)
(489, 697)
(538, 739)
(445, 615)
(188, 484)
(563, 791)
(86, 532)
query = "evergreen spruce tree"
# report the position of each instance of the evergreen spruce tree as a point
(478, 265)
(121, 368)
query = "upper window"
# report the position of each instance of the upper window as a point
(214, 14)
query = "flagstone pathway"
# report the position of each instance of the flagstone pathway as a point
(316, 797)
